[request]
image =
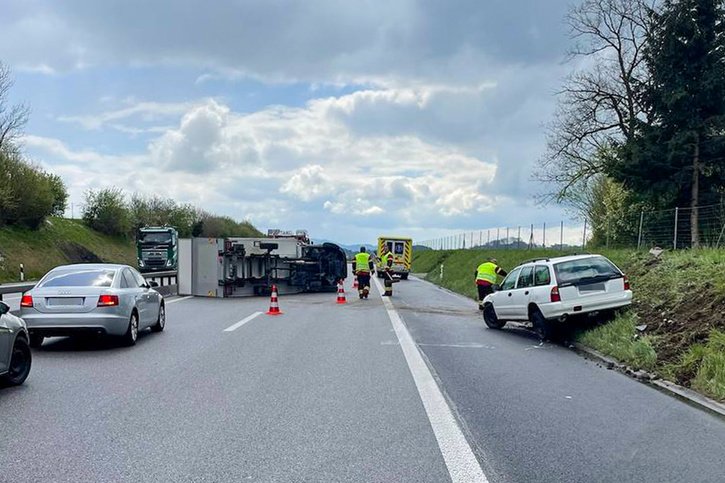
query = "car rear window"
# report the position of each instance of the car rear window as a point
(79, 278)
(585, 270)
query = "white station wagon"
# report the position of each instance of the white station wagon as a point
(550, 290)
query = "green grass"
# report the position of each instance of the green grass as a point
(39, 250)
(703, 366)
(620, 339)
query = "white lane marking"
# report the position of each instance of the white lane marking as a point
(463, 345)
(242, 322)
(457, 453)
(173, 301)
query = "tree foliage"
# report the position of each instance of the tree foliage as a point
(27, 193)
(599, 106)
(109, 211)
(12, 116)
(105, 211)
(677, 159)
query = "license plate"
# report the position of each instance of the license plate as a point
(592, 287)
(64, 301)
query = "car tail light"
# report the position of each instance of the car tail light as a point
(26, 301)
(626, 283)
(555, 297)
(107, 300)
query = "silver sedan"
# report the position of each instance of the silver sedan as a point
(15, 356)
(92, 298)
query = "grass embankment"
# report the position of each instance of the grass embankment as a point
(679, 307)
(57, 242)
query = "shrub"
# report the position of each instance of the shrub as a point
(27, 193)
(106, 211)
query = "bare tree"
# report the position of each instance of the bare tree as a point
(599, 106)
(12, 117)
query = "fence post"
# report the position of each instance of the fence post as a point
(639, 235)
(463, 241)
(674, 239)
(518, 239)
(498, 237)
(543, 243)
(584, 236)
(561, 236)
(507, 238)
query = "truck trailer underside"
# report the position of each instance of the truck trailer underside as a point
(239, 267)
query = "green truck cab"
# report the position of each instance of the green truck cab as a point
(157, 248)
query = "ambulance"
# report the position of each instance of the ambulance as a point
(402, 250)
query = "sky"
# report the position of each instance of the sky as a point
(345, 118)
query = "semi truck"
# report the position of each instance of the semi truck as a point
(239, 267)
(402, 250)
(157, 248)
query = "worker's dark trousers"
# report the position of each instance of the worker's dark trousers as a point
(363, 282)
(483, 290)
(388, 282)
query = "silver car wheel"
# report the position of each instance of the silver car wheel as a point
(134, 327)
(162, 316)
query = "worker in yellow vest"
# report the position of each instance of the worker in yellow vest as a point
(486, 277)
(363, 267)
(388, 279)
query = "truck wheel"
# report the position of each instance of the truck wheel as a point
(542, 327)
(490, 318)
(20, 361)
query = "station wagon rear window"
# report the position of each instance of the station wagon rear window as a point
(79, 278)
(585, 270)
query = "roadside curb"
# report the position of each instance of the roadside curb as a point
(670, 388)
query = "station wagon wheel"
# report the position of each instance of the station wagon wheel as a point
(161, 321)
(20, 362)
(131, 334)
(542, 327)
(490, 317)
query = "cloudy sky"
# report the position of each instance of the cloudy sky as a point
(347, 118)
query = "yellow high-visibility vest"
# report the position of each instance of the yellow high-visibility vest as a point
(385, 259)
(487, 272)
(362, 262)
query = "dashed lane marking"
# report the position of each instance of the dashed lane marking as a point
(234, 327)
(457, 453)
(173, 301)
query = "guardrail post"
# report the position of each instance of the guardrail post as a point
(22, 272)
(441, 271)
(639, 235)
(543, 243)
(584, 236)
(518, 239)
(561, 236)
(507, 238)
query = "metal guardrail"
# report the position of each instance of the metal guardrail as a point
(22, 287)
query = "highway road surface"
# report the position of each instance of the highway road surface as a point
(413, 389)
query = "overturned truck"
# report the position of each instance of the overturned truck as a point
(240, 267)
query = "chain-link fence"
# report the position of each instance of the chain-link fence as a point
(671, 229)
(556, 235)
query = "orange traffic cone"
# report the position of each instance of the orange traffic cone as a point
(354, 282)
(273, 303)
(341, 293)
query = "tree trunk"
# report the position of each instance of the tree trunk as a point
(694, 200)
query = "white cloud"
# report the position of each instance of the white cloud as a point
(139, 111)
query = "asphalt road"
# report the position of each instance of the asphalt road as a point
(332, 392)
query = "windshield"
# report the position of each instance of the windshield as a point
(155, 237)
(79, 278)
(585, 269)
